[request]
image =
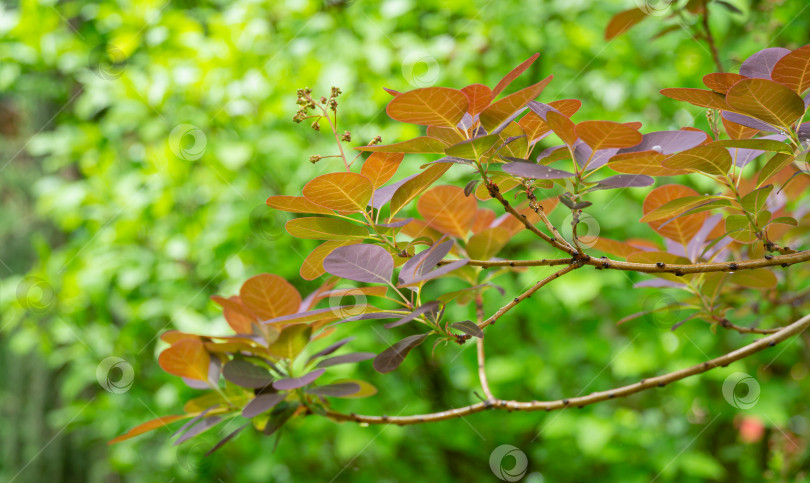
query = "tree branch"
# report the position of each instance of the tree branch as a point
(479, 344)
(659, 381)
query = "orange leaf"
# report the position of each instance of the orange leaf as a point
(483, 218)
(709, 159)
(680, 229)
(296, 204)
(562, 127)
(767, 101)
(149, 426)
(698, 97)
(623, 21)
(508, 78)
(498, 112)
(186, 358)
(416, 185)
(340, 191)
(381, 167)
(237, 315)
(793, 70)
(269, 296)
(534, 126)
(312, 267)
(429, 106)
(448, 210)
(479, 96)
(721, 82)
(607, 134)
(613, 247)
(172, 336)
(738, 131)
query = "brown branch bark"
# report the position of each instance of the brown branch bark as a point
(659, 381)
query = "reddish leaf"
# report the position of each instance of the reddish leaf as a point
(535, 127)
(498, 112)
(483, 219)
(562, 127)
(237, 315)
(643, 162)
(149, 426)
(681, 229)
(186, 358)
(737, 131)
(429, 106)
(269, 296)
(721, 82)
(766, 100)
(447, 209)
(379, 168)
(413, 187)
(508, 78)
(607, 134)
(793, 70)
(296, 382)
(623, 21)
(447, 135)
(710, 159)
(423, 144)
(340, 191)
(698, 97)
(479, 96)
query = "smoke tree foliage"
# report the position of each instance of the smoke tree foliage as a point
(389, 228)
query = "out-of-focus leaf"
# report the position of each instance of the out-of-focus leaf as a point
(448, 210)
(341, 389)
(346, 359)
(623, 21)
(296, 382)
(391, 358)
(243, 373)
(468, 327)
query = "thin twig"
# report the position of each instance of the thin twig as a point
(659, 381)
(479, 344)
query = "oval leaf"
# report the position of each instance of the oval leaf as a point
(767, 101)
(269, 296)
(322, 228)
(429, 106)
(340, 191)
(448, 210)
(362, 263)
(296, 382)
(186, 358)
(391, 358)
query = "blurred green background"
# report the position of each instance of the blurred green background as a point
(108, 237)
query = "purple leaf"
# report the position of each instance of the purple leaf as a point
(330, 349)
(193, 421)
(582, 153)
(804, 130)
(424, 261)
(391, 358)
(695, 245)
(625, 181)
(262, 403)
(438, 272)
(244, 374)
(743, 156)
(466, 121)
(296, 382)
(224, 440)
(468, 327)
(449, 159)
(362, 263)
(278, 417)
(748, 122)
(397, 224)
(535, 171)
(430, 306)
(657, 283)
(370, 316)
(667, 142)
(346, 359)
(383, 195)
(761, 64)
(284, 318)
(340, 389)
(541, 109)
(198, 428)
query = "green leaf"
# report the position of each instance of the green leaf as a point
(473, 148)
(423, 144)
(754, 201)
(709, 159)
